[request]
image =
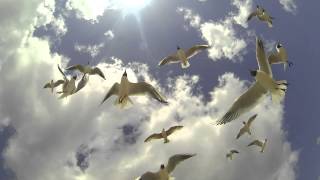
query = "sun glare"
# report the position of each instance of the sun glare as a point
(131, 6)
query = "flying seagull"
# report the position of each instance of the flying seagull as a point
(246, 126)
(164, 134)
(260, 144)
(69, 87)
(127, 88)
(182, 56)
(256, 92)
(280, 56)
(165, 171)
(87, 70)
(262, 15)
(53, 85)
(230, 154)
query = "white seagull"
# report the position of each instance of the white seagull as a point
(260, 144)
(53, 84)
(164, 134)
(262, 15)
(280, 56)
(69, 86)
(87, 70)
(230, 154)
(182, 56)
(253, 95)
(165, 171)
(246, 126)
(127, 88)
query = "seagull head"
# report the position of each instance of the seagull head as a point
(279, 45)
(74, 77)
(244, 123)
(265, 140)
(253, 73)
(178, 47)
(125, 73)
(162, 166)
(258, 6)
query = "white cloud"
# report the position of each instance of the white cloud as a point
(51, 131)
(93, 50)
(289, 5)
(221, 35)
(318, 140)
(109, 34)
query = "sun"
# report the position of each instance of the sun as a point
(131, 6)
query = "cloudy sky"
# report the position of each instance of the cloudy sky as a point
(42, 137)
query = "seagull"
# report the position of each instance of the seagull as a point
(257, 91)
(262, 15)
(164, 134)
(165, 171)
(69, 86)
(246, 126)
(52, 84)
(230, 154)
(127, 88)
(280, 56)
(87, 70)
(262, 145)
(182, 56)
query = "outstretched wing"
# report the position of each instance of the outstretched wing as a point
(244, 103)
(195, 50)
(234, 151)
(83, 82)
(251, 119)
(57, 83)
(255, 13)
(261, 57)
(176, 159)
(169, 59)
(98, 71)
(241, 132)
(255, 142)
(150, 176)
(142, 88)
(47, 85)
(173, 129)
(78, 67)
(153, 136)
(113, 91)
(64, 76)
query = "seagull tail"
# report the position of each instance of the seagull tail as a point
(126, 101)
(185, 64)
(279, 92)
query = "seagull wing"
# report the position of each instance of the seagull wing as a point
(113, 91)
(169, 59)
(173, 129)
(83, 82)
(150, 176)
(241, 132)
(153, 136)
(255, 13)
(195, 50)
(78, 67)
(176, 159)
(143, 88)
(98, 72)
(251, 119)
(261, 57)
(256, 142)
(64, 76)
(244, 103)
(234, 151)
(274, 58)
(48, 85)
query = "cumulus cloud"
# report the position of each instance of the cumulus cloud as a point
(221, 35)
(77, 139)
(109, 34)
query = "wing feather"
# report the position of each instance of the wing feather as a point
(176, 159)
(113, 91)
(153, 136)
(143, 88)
(169, 59)
(195, 50)
(173, 129)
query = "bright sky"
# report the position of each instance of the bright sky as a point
(43, 137)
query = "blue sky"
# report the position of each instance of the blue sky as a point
(46, 138)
